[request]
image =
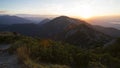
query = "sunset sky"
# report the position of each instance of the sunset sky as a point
(79, 8)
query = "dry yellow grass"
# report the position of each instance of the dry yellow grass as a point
(23, 55)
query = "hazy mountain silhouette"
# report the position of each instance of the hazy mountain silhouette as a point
(8, 20)
(58, 25)
(73, 31)
(36, 18)
(108, 30)
(63, 28)
(44, 21)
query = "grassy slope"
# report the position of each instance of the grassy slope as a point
(37, 53)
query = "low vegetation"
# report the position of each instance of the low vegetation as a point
(45, 53)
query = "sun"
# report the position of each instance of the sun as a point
(84, 11)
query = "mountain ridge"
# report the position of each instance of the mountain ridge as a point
(66, 29)
(9, 20)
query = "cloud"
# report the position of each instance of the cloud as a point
(2, 11)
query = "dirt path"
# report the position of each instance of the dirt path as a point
(7, 60)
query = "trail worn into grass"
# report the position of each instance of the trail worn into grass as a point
(8, 60)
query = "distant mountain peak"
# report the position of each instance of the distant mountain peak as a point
(44, 21)
(68, 20)
(9, 20)
(63, 17)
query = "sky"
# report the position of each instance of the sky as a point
(78, 8)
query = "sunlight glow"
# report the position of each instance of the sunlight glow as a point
(83, 11)
(78, 8)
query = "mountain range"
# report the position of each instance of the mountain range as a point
(36, 18)
(9, 20)
(63, 28)
(62, 40)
